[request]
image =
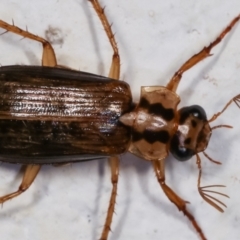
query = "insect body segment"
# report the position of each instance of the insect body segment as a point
(61, 115)
(153, 122)
(50, 115)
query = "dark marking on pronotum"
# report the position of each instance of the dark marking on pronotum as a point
(144, 103)
(136, 136)
(157, 109)
(151, 136)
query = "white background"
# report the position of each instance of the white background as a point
(155, 37)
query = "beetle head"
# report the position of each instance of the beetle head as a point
(193, 133)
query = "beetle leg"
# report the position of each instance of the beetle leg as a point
(173, 197)
(114, 164)
(48, 57)
(115, 66)
(204, 53)
(205, 192)
(30, 174)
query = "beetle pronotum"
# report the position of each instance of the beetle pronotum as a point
(80, 190)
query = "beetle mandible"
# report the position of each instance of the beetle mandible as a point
(144, 138)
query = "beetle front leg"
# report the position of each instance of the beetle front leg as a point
(114, 164)
(206, 190)
(30, 174)
(204, 53)
(115, 66)
(173, 197)
(48, 57)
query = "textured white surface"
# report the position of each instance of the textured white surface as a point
(155, 37)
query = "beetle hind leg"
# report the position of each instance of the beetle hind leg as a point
(115, 66)
(48, 57)
(30, 174)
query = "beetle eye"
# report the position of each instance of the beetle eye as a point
(183, 150)
(194, 110)
(181, 153)
(195, 114)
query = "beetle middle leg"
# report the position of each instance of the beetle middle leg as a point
(159, 169)
(115, 66)
(114, 164)
(113, 73)
(30, 174)
(204, 53)
(48, 57)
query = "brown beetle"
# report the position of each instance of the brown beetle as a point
(138, 138)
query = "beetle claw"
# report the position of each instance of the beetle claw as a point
(203, 191)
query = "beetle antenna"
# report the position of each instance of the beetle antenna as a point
(222, 125)
(210, 159)
(236, 99)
